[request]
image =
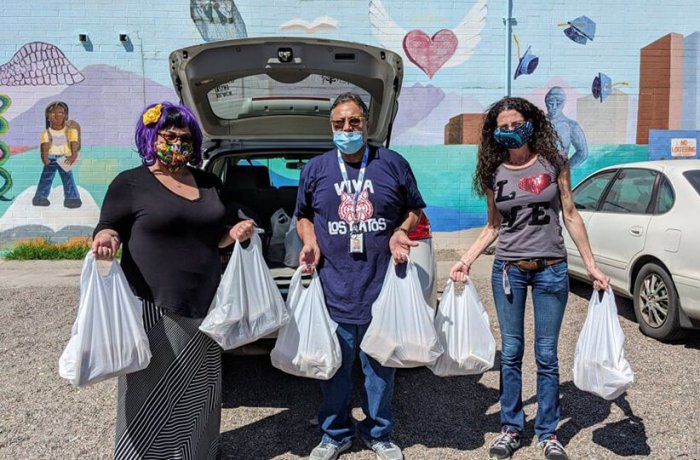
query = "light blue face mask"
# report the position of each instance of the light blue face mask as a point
(348, 143)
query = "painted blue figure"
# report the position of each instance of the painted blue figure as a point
(60, 143)
(569, 131)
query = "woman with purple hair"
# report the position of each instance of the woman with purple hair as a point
(171, 220)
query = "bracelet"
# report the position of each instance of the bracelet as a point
(401, 229)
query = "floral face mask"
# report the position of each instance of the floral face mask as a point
(173, 156)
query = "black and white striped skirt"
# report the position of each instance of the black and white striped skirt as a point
(171, 409)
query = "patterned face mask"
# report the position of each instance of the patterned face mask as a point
(516, 138)
(173, 156)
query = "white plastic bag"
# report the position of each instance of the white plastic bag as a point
(308, 345)
(401, 333)
(600, 366)
(280, 223)
(292, 245)
(464, 331)
(108, 337)
(247, 304)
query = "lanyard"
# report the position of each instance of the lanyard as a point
(360, 179)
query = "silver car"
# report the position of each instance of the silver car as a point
(264, 107)
(643, 227)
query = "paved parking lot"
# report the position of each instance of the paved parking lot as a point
(268, 414)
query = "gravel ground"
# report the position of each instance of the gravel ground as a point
(267, 414)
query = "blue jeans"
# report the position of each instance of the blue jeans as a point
(334, 415)
(550, 290)
(70, 191)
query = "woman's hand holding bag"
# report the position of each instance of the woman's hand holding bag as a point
(307, 346)
(464, 331)
(401, 333)
(247, 304)
(108, 337)
(600, 366)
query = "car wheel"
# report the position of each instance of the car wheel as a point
(656, 304)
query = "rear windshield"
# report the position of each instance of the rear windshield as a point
(260, 95)
(694, 179)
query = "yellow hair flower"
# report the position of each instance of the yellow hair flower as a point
(152, 115)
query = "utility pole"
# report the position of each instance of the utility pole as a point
(509, 21)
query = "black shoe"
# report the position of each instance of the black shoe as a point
(72, 203)
(39, 201)
(505, 444)
(553, 450)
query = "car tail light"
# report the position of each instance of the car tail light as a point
(422, 230)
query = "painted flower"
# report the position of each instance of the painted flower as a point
(152, 115)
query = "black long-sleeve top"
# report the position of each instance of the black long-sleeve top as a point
(170, 244)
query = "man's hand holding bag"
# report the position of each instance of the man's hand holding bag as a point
(307, 346)
(401, 333)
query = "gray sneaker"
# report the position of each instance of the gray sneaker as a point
(552, 448)
(329, 451)
(505, 444)
(385, 450)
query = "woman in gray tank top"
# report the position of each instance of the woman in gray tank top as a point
(527, 182)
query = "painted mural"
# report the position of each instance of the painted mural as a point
(37, 64)
(5, 175)
(217, 20)
(445, 48)
(615, 94)
(570, 133)
(59, 145)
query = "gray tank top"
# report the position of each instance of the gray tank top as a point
(529, 203)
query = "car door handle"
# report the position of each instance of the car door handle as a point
(636, 230)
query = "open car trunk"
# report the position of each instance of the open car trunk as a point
(281, 88)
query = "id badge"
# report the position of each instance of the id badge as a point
(356, 243)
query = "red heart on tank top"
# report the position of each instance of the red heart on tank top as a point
(535, 184)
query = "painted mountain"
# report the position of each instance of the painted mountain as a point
(425, 110)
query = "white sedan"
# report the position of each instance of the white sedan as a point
(643, 224)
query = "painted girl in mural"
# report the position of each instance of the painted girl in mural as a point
(171, 220)
(526, 180)
(60, 144)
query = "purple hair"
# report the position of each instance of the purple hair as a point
(172, 116)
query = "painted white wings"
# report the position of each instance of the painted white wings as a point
(447, 48)
(385, 29)
(468, 33)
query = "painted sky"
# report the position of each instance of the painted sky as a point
(614, 50)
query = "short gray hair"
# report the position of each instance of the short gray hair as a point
(351, 97)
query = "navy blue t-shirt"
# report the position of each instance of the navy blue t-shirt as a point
(351, 282)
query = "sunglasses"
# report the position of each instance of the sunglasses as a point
(170, 136)
(354, 122)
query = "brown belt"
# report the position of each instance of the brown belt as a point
(531, 265)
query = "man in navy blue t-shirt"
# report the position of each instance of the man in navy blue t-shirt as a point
(355, 208)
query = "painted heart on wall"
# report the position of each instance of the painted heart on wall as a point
(535, 184)
(430, 53)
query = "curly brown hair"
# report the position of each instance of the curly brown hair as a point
(544, 141)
